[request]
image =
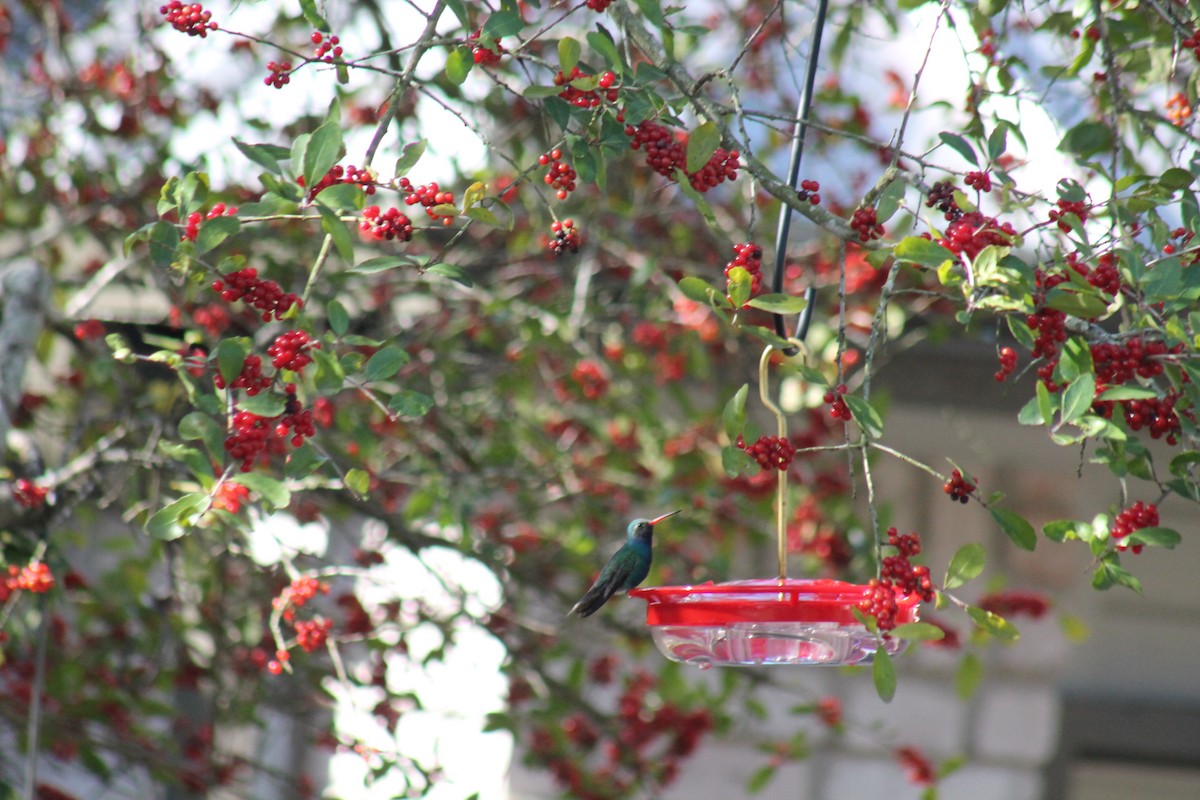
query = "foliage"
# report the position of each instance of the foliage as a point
(497, 352)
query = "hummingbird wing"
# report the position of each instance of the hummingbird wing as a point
(615, 575)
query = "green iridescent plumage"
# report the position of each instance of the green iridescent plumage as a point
(628, 567)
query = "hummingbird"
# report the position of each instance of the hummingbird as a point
(626, 569)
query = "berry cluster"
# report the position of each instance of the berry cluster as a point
(248, 438)
(979, 181)
(311, 634)
(1077, 207)
(958, 487)
(192, 224)
(189, 18)
(290, 350)
(295, 420)
(1013, 603)
(485, 56)
(561, 176)
(829, 711)
(941, 195)
(1105, 275)
(260, 293)
(1051, 330)
(771, 452)
(328, 47)
(835, 399)
(297, 594)
(600, 6)
(429, 196)
(969, 234)
(279, 74)
(365, 178)
(586, 98)
(1179, 109)
(390, 224)
(748, 256)
(1192, 42)
(251, 377)
(566, 237)
(1117, 363)
(1185, 236)
(89, 330)
(29, 494)
(810, 191)
(1008, 363)
(898, 568)
(866, 224)
(229, 496)
(879, 601)
(590, 379)
(33, 577)
(1156, 414)
(1137, 516)
(920, 771)
(667, 151)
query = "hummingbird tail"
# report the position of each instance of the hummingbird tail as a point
(591, 602)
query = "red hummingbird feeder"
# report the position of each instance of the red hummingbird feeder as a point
(769, 620)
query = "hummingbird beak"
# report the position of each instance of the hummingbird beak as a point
(657, 520)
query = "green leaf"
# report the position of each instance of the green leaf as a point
(266, 156)
(991, 8)
(162, 244)
(309, 9)
(865, 415)
(1154, 537)
(883, 672)
(734, 461)
(273, 492)
(231, 356)
(409, 403)
(1087, 139)
(1176, 178)
(702, 143)
(994, 624)
(1085, 305)
(409, 157)
(1074, 628)
(263, 405)
(778, 303)
(890, 199)
(1109, 573)
(653, 12)
(458, 65)
(966, 565)
(738, 288)
(1078, 396)
(174, 521)
(921, 251)
(1045, 404)
(451, 271)
(503, 23)
(1017, 527)
(193, 193)
(214, 231)
(761, 778)
(384, 364)
(998, 142)
(358, 481)
(1061, 530)
(568, 54)
(324, 150)
(734, 415)
(337, 230)
(602, 42)
(960, 145)
(698, 289)
(968, 676)
(382, 264)
(919, 632)
(339, 318)
(197, 426)
(1126, 393)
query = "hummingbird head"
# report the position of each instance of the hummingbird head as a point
(644, 528)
